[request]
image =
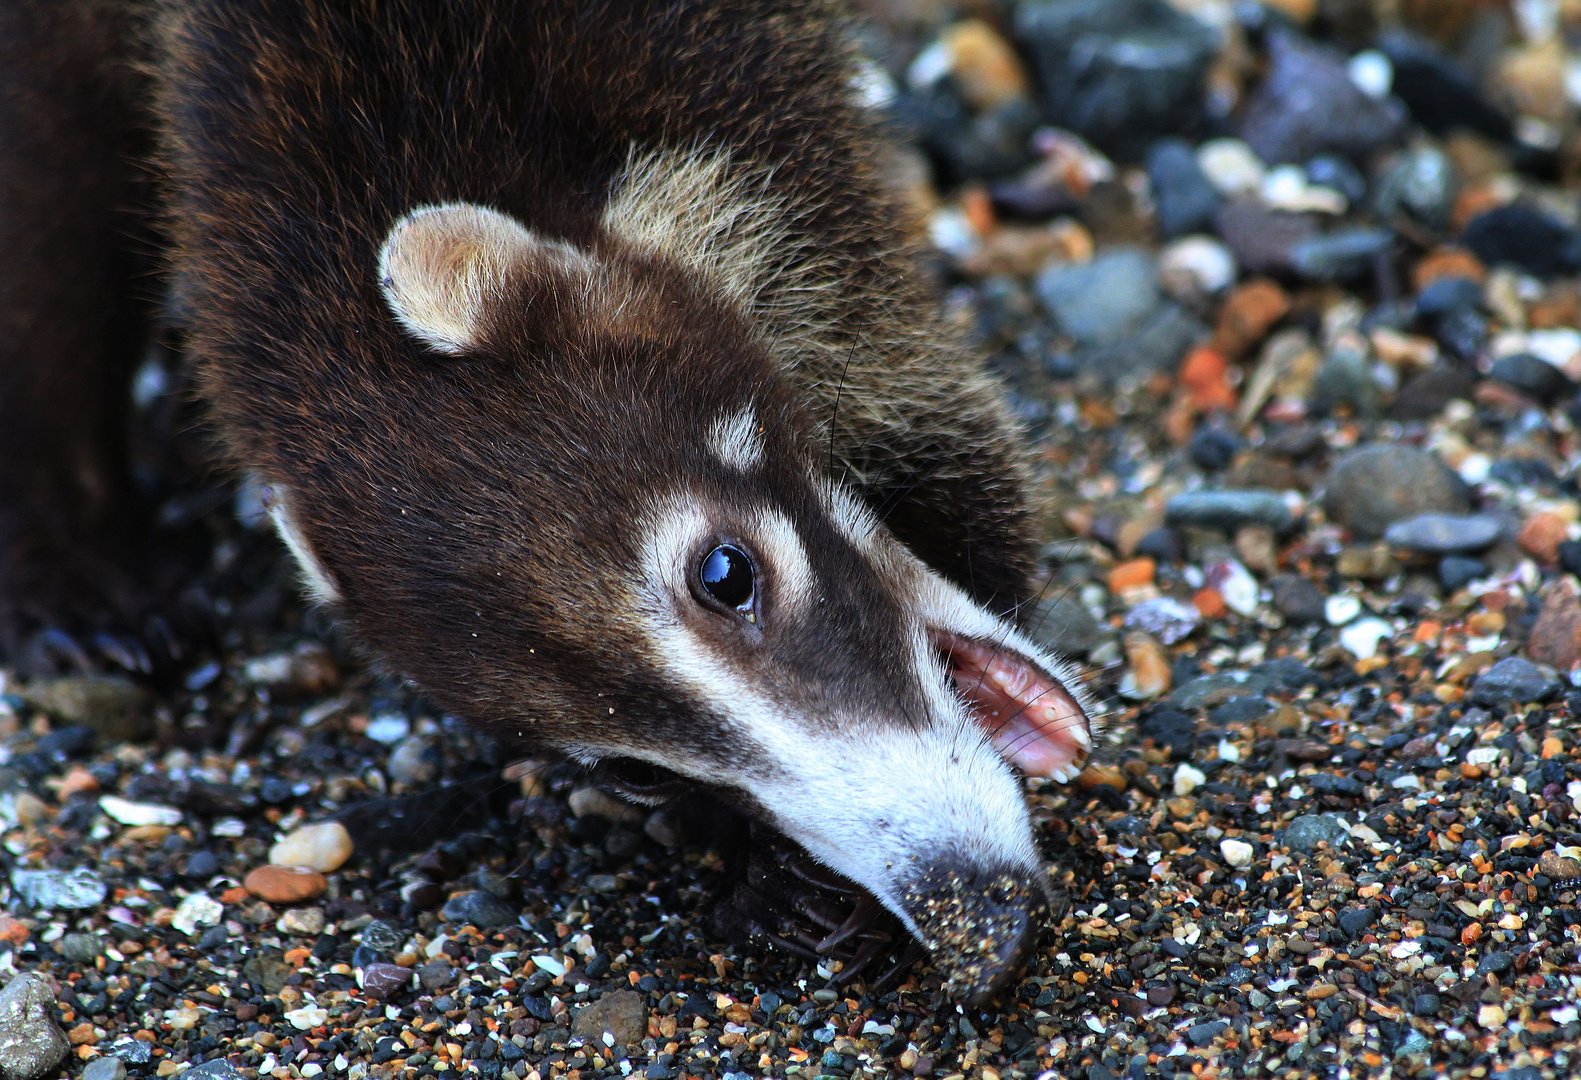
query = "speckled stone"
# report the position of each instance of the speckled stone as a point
(32, 1046)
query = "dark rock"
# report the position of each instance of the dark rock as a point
(1064, 625)
(1425, 1005)
(203, 864)
(1447, 294)
(1420, 184)
(379, 981)
(1170, 728)
(1261, 239)
(114, 707)
(1163, 544)
(1444, 534)
(1342, 255)
(132, 1051)
(1441, 93)
(218, 1069)
(1210, 690)
(1357, 921)
(1308, 106)
(1495, 963)
(480, 908)
(1333, 171)
(1213, 448)
(1204, 1034)
(1296, 598)
(1514, 681)
(1227, 511)
(1570, 556)
(1304, 833)
(966, 146)
(1118, 72)
(1525, 237)
(1184, 198)
(1456, 571)
(1371, 488)
(1156, 345)
(436, 975)
(1329, 784)
(64, 743)
(108, 1067)
(1240, 710)
(1425, 394)
(1532, 376)
(1462, 333)
(622, 1014)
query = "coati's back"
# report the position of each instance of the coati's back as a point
(579, 349)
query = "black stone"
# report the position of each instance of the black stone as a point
(1495, 963)
(1117, 72)
(1447, 294)
(1163, 544)
(481, 909)
(1240, 710)
(1170, 728)
(1357, 921)
(1425, 1004)
(1441, 93)
(1456, 571)
(1570, 556)
(1513, 681)
(1213, 448)
(1296, 598)
(1532, 376)
(1183, 196)
(1525, 237)
(1308, 105)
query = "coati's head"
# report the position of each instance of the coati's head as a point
(625, 543)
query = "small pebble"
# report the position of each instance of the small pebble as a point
(136, 813)
(1238, 853)
(285, 884)
(324, 847)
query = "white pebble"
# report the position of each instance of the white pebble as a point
(137, 813)
(549, 964)
(1228, 751)
(1341, 608)
(1361, 638)
(1188, 778)
(1237, 853)
(1196, 263)
(1231, 166)
(1235, 584)
(1372, 73)
(1482, 755)
(1474, 468)
(196, 911)
(307, 1017)
(950, 230)
(388, 728)
(322, 847)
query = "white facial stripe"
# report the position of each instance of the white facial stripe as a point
(858, 524)
(314, 576)
(873, 799)
(737, 440)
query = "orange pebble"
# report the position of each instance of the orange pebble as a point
(1205, 378)
(1209, 603)
(1427, 630)
(297, 957)
(1471, 933)
(1449, 262)
(1130, 575)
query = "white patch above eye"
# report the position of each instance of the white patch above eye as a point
(737, 440)
(445, 270)
(317, 580)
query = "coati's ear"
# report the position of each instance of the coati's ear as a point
(448, 271)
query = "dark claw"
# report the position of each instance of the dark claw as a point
(862, 916)
(53, 640)
(126, 652)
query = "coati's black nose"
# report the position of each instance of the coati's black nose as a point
(979, 924)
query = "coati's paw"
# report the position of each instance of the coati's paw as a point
(77, 606)
(786, 900)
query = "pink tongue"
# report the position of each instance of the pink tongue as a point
(1033, 720)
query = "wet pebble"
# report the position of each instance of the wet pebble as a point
(1556, 636)
(480, 908)
(409, 762)
(381, 980)
(622, 1014)
(1309, 105)
(1533, 376)
(1229, 510)
(1307, 831)
(105, 1068)
(1524, 237)
(61, 889)
(1064, 625)
(116, 708)
(1184, 197)
(1102, 301)
(138, 813)
(1296, 598)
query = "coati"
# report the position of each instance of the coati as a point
(592, 383)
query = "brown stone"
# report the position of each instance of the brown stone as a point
(285, 884)
(1447, 263)
(1247, 316)
(1556, 636)
(623, 1015)
(1541, 536)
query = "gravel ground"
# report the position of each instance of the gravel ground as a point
(1293, 311)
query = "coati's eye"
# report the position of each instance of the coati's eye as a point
(725, 575)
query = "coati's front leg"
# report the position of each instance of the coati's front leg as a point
(71, 557)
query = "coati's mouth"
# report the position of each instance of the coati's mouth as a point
(1033, 720)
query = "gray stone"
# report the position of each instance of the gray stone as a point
(81, 948)
(218, 1069)
(1296, 598)
(622, 1014)
(116, 708)
(1118, 72)
(1227, 511)
(410, 762)
(1304, 833)
(1101, 301)
(132, 1051)
(70, 890)
(482, 909)
(105, 1068)
(1206, 691)
(1444, 534)
(436, 975)
(1262, 239)
(1371, 488)
(1420, 184)
(32, 1046)
(1157, 345)
(1308, 106)
(1063, 625)
(1514, 681)
(1183, 196)
(1533, 376)
(1342, 255)
(267, 972)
